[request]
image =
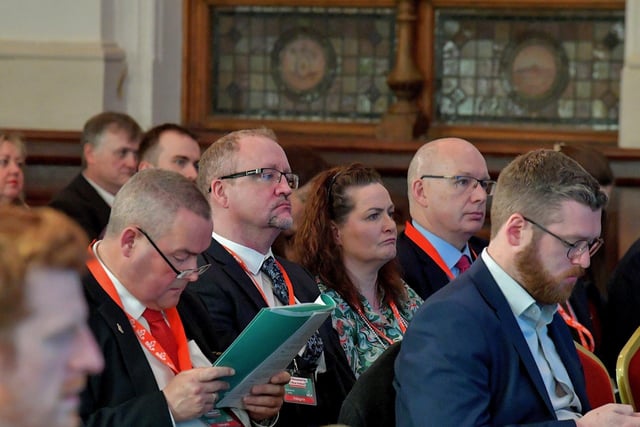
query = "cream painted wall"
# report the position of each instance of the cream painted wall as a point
(63, 61)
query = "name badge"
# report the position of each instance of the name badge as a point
(301, 390)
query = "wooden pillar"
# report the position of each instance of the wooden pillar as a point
(404, 121)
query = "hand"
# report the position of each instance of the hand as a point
(612, 414)
(266, 400)
(192, 393)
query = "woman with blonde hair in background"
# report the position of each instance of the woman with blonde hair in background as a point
(12, 159)
(347, 238)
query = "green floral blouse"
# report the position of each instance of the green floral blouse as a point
(360, 342)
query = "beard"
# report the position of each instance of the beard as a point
(544, 287)
(281, 222)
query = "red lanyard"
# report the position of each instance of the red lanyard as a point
(423, 243)
(586, 339)
(287, 281)
(402, 324)
(144, 336)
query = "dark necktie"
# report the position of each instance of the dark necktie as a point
(314, 346)
(463, 264)
(162, 333)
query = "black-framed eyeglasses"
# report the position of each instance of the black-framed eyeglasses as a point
(576, 249)
(466, 183)
(180, 274)
(269, 176)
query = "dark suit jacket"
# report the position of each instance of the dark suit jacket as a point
(126, 392)
(80, 201)
(465, 362)
(420, 271)
(233, 301)
(371, 401)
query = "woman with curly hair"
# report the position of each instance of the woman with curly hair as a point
(347, 238)
(12, 158)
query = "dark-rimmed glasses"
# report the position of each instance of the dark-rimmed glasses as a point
(466, 183)
(180, 274)
(576, 249)
(268, 175)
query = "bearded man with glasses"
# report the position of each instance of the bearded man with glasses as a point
(490, 348)
(448, 189)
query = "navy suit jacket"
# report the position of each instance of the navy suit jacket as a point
(420, 271)
(233, 301)
(126, 392)
(80, 201)
(465, 362)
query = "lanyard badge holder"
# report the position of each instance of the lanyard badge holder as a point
(301, 389)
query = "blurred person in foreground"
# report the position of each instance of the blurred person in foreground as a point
(171, 147)
(347, 239)
(12, 160)
(157, 338)
(490, 348)
(46, 347)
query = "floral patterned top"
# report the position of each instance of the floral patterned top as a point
(360, 342)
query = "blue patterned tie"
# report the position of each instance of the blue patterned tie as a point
(314, 346)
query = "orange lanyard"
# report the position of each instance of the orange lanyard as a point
(586, 339)
(402, 324)
(423, 243)
(144, 336)
(287, 281)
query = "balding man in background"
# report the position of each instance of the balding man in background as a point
(448, 186)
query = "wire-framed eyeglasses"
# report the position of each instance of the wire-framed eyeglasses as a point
(268, 175)
(576, 249)
(464, 183)
(179, 274)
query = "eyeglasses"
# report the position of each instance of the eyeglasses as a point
(269, 176)
(467, 183)
(576, 249)
(180, 274)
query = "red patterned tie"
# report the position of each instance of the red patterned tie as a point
(463, 264)
(162, 333)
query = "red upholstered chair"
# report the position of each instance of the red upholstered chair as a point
(628, 371)
(600, 389)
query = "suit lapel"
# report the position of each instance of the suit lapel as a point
(138, 368)
(216, 253)
(489, 289)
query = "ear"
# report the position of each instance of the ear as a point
(144, 164)
(518, 235)
(335, 231)
(219, 193)
(87, 151)
(128, 240)
(418, 193)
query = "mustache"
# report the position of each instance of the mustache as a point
(575, 271)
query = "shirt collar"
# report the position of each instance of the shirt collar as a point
(520, 301)
(252, 259)
(449, 253)
(130, 303)
(104, 194)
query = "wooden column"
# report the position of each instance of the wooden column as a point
(404, 121)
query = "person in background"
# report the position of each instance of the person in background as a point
(585, 307)
(248, 182)
(490, 348)
(347, 238)
(12, 159)
(306, 164)
(156, 337)
(448, 187)
(46, 348)
(109, 157)
(172, 147)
